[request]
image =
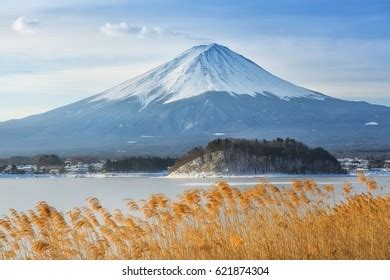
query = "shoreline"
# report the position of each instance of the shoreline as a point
(165, 175)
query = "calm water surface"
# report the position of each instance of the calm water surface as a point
(65, 193)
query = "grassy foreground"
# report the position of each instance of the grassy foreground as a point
(263, 222)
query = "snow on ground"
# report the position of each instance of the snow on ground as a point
(371, 123)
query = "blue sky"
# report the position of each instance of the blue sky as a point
(56, 52)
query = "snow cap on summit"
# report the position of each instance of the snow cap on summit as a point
(201, 69)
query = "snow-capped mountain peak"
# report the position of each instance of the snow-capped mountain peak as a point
(206, 92)
(204, 68)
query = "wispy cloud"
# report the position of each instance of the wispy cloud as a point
(123, 28)
(25, 25)
(112, 29)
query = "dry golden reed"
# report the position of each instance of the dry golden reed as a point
(262, 222)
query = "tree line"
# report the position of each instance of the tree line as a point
(240, 156)
(139, 164)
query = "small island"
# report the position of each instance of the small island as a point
(227, 157)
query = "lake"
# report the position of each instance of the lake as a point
(65, 193)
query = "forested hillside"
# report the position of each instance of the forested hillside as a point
(240, 157)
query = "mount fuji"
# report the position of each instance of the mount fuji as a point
(206, 92)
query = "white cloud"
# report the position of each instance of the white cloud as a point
(113, 29)
(25, 25)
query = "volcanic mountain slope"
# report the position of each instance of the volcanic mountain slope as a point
(205, 92)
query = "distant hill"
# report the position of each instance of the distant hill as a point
(250, 157)
(41, 160)
(50, 160)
